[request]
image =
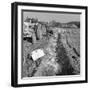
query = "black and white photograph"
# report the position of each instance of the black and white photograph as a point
(50, 44)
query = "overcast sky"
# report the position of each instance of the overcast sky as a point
(60, 17)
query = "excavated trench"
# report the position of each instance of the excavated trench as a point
(63, 59)
(62, 64)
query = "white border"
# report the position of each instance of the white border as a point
(82, 47)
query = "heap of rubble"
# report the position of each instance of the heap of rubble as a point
(60, 51)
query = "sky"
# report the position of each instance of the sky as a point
(47, 17)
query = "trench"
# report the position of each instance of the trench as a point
(62, 58)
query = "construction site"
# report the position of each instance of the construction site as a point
(50, 49)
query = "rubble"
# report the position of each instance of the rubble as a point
(50, 51)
